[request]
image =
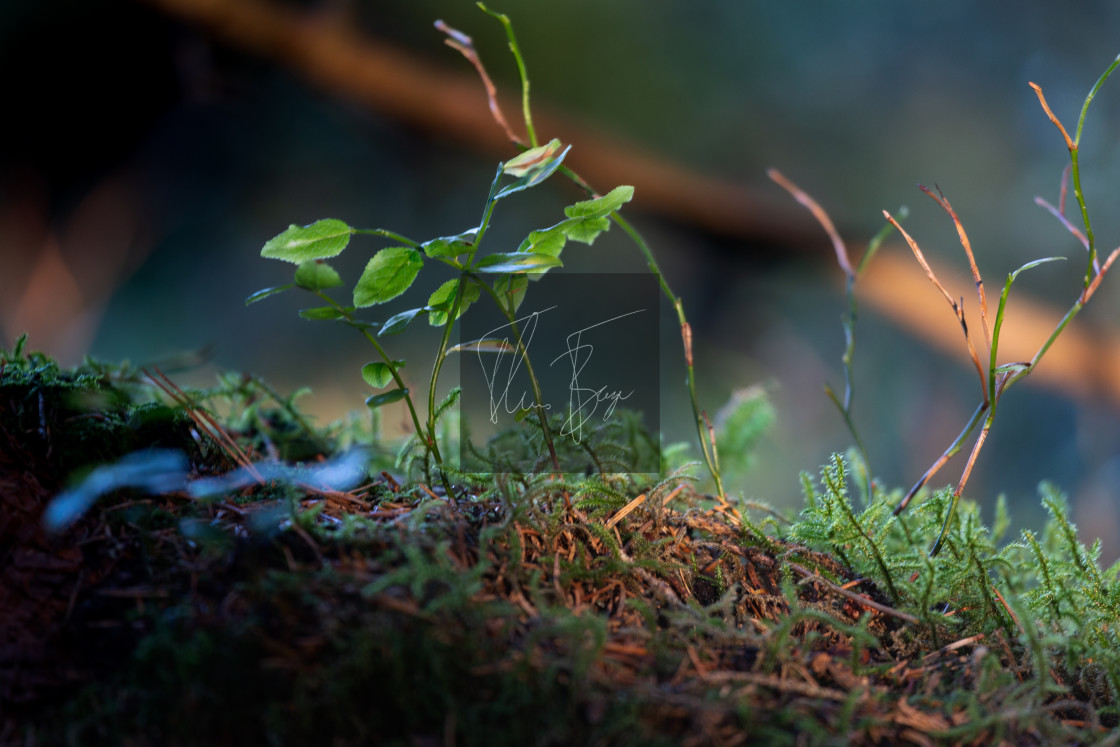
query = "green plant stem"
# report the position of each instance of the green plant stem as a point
(1076, 165)
(388, 362)
(707, 445)
(941, 536)
(441, 355)
(487, 210)
(948, 454)
(849, 323)
(515, 48)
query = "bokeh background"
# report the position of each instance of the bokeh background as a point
(149, 148)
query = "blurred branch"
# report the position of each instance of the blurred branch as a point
(328, 51)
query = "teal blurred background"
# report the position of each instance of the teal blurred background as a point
(146, 159)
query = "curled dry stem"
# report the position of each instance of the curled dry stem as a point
(1070, 144)
(464, 45)
(821, 216)
(842, 258)
(958, 306)
(967, 245)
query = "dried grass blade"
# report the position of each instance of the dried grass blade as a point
(941, 200)
(821, 216)
(1072, 146)
(958, 308)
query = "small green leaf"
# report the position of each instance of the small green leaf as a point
(585, 230)
(387, 275)
(515, 262)
(378, 374)
(548, 241)
(601, 206)
(534, 176)
(314, 275)
(451, 246)
(398, 322)
(322, 239)
(442, 299)
(1035, 263)
(532, 159)
(266, 292)
(325, 312)
(377, 400)
(511, 289)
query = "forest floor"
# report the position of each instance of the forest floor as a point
(393, 613)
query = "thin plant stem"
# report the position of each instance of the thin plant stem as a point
(386, 234)
(515, 48)
(441, 355)
(707, 445)
(849, 320)
(349, 317)
(941, 536)
(948, 454)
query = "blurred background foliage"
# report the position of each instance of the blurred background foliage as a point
(146, 157)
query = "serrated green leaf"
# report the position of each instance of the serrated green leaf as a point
(535, 176)
(385, 398)
(315, 274)
(451, 246)
(322, 239)
(585, 230)
(516, 262)
(601, 206)
(443, 297)
(378, 374)
(511, 289)
(387, 275)
(532, 159)
(266, 292)
(398, 322)
(324, 312)
(548, 241)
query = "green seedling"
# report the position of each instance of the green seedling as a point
(995, 378)
(503, 276)
(459, 41)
